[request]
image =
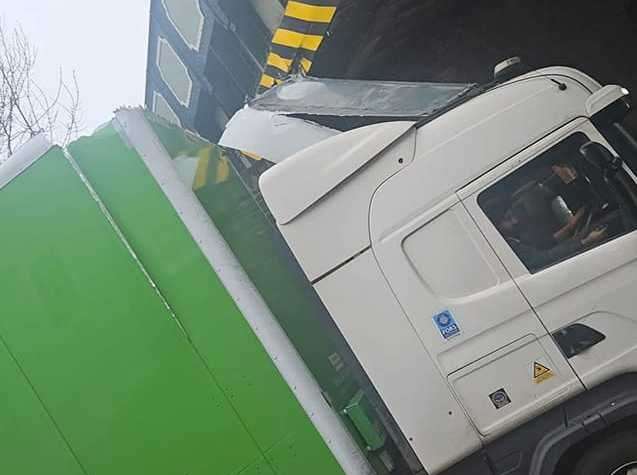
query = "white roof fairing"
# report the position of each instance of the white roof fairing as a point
(272, 136)
(295, 184)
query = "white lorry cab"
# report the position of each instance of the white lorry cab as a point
(482, 266)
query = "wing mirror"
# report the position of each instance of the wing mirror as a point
(600, 157)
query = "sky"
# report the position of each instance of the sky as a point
(104, 41)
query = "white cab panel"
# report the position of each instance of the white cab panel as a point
(512, 371)
(435, 270)
(467, 141)
(441, 262)
(596, 288)
(487, 305)
(330, 224)
(309, 175)
(367, 313)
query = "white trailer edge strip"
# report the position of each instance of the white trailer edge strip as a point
(292, 368)
(23, 158)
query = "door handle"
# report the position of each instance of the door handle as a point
(577, 338)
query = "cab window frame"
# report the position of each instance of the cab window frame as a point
(526, 171)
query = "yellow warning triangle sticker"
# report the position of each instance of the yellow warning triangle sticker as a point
(539, 370)
(541, 373)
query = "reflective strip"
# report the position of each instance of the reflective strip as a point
(279, 62)
(306, 65)
(294, 39)
(266, 81)
(251, 155)
(201, 175)
(223, 170)
(313, 13)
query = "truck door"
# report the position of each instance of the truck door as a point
(565, 230)
(499, 361)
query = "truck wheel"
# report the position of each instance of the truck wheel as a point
(616, 455)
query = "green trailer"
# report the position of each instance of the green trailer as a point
(155, 322)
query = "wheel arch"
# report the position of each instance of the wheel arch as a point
(589, 418)
(570, 457)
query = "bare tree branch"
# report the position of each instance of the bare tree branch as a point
(26, 109)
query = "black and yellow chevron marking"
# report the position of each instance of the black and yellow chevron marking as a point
(297, 39)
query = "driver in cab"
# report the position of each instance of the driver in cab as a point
(514, 225)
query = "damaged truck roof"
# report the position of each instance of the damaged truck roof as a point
(305, 95)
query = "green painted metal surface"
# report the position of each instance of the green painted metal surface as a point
(107, 360)
(226, 183)
(254, 392)
(31, 443)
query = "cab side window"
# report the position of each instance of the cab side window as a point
(557, 206)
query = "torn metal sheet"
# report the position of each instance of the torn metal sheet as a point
(344, 97)
(271, 136)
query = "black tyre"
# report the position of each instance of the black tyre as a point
(616, 455)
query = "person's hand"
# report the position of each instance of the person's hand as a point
(595, 236)
(569, 229)
(575, 220)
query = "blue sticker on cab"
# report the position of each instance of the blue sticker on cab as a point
(446, 324)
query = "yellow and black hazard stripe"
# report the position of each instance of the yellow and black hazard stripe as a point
(295, 42)
(214, 165)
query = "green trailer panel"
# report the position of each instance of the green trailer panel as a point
(247, 377)
(105, 357)
(31, 443)
(225, 182)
